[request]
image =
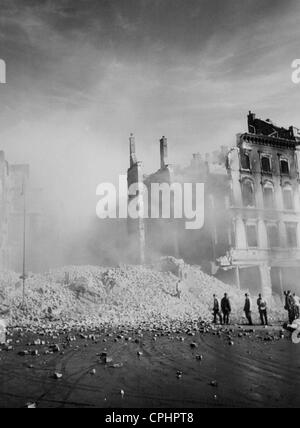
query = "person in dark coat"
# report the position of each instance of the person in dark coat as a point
(226, 308)
(216, 310)
(248, 309)
(262, 309)
(290, 306)
(296, 306)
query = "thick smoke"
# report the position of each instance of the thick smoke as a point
(81, 78)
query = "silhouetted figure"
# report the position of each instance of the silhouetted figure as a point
(290, 306)
(226, 308)
(297, 306)
(262, 309)
(216, 310)
(248, 309)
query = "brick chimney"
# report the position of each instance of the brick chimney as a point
(251, 123)
(163, 152)
(133, 159)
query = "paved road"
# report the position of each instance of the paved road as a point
(254, 372)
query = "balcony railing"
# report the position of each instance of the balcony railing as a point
(265, 254)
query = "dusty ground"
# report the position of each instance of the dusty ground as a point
(260, 369)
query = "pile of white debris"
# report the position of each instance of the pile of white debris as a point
(124, 296)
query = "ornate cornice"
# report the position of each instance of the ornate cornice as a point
(268, 141)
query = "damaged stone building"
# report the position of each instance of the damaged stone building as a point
(14, 183)
(251, 235)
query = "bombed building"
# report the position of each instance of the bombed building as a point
(251, 234)
(19, 212)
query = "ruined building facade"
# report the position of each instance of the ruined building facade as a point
(14, 186)
(263, 172)
(251, 235)
(13, 178)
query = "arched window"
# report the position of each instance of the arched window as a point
(288, 202)
(268, 193)
(284, 167)
(248, 194)
(245, 160)
(266, 164)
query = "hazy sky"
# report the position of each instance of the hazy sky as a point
(83, 74)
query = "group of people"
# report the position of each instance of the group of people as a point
(292, 306)
(223, 310)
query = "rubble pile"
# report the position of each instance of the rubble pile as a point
(9, 282)
(123, 296)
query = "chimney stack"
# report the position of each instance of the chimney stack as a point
(133, 159)
(163, 152)
(251, 123)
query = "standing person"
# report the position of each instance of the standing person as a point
(262, 309)
(286, 305)
(226, 308)
(216, 310)
(297, 306)
(248, 309)
(290, 306)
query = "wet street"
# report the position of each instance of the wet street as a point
(229, 369)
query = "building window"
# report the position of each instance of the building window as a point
(284, 167)
(268, 193)
(291, 235)
(288, 198)
(251, 231)
(248, 194)
(273, 235)
(266, 164)
(245, 160)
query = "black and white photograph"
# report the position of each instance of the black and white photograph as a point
(149, 207)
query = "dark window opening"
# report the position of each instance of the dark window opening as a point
(268, 198)
(251, 231)
(273, 235)
(284, 167)
(248, 194)
(291, 235)
(288, 199)
(245, 161)
(266, 164)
